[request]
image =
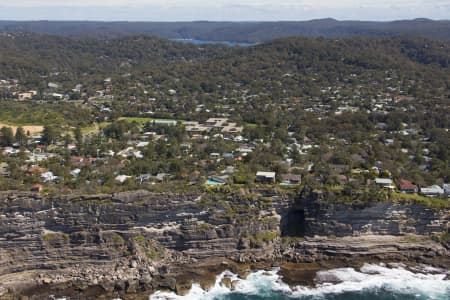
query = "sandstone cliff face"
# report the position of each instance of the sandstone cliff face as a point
(317, 217)
(138, 234)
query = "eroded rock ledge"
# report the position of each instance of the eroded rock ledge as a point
(131, 243)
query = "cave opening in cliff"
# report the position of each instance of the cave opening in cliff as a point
(293, 224)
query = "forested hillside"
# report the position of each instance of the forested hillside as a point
(236, 31)
(28, 55)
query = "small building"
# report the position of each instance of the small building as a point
(432, 191)
(122, 178)
(290, 179)
(77, 159)
(48, 176)
(53, 85)
(265, 177)
(407, 187)
(72, 147)
(214, 155)
(37, 188)
(164, 122)
(446, 187)
(75, 172)
(142, 144)
(36, 170)
(163, 176)
(228, 155)
(143, 178)
(216, 180)
(228, 170)
(25, 96)
(385, 183)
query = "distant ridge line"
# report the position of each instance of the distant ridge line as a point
(251, 32)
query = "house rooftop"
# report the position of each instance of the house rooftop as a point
(266, 174)
(383, 181)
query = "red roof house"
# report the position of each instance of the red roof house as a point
(406, 186)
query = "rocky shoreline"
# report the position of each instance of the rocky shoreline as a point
(133, 279)
(131, 244)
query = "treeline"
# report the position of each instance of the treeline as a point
(30, 53)
(235, 31)
(23, 54)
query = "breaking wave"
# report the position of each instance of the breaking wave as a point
(369, 282)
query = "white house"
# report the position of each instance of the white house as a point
(122, 178)
(265, 177)
(446, 187)
(385, 183)
(48, 176)
(432, 191)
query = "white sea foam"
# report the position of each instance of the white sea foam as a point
(370, 277)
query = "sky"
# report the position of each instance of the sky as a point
(222, 10)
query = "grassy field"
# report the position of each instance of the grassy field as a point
(33, 129)
(139, 120)
(144, 120)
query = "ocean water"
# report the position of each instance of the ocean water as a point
(371, 282)
(204, 42)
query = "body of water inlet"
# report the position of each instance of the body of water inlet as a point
(203, 42)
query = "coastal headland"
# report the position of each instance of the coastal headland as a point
(130, 244)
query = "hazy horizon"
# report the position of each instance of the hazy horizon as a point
(222, 10)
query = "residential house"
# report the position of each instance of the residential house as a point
(10, 151)
(385, 183)
(432, 191)
(446, 187)
(53, 85)
(163, 176)
(72, 148)
(142, 144)
(164, 122)
(217, 180)
(75, 172)
(122, 178)
(407, 187)
(37, 188)
(36, 170)
(290, 179)
(228, 170)
(78, 160)
(48, 177)
(130, 152)
(214, 155)
(143, 178)
(58, 96)
(265, 177)
(25, 96)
